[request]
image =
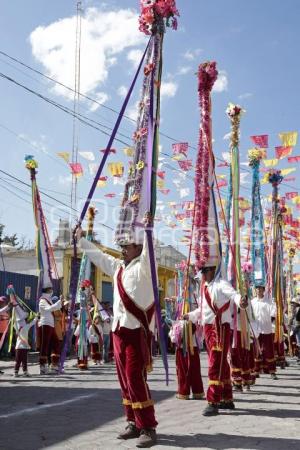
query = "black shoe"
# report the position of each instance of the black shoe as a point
(226, 405)
(274, 376)
(210, 410)
(147, 438)
(130, 432)
(238, 387)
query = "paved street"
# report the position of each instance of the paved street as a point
(83, 411)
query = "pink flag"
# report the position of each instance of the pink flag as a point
(260, 141)
(281, 152)
(223, 164)
(164, 191)
(112, 195)
(290, 195)
(185, 165)
(222, 183)
(76, 168)
(293, 159)
(288, 179)
(180, 148)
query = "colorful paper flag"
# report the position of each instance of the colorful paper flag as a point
(270, 162)
(161, 174)
(185, 165)
(164, 191)
(128, 151)
(87, 155)
(184, 192)
(93, 167)
(112, 150)
(260, 141)
(294, 159)
(282, 152)
(76, 168)
(288, 138)
(64, 155)
(290, 195)
(285, 172)
(116, 169)
(180, 148)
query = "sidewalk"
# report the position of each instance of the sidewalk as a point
(83, 411)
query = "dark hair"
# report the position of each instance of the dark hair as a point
(45, 290)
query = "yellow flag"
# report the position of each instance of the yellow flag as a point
(160, 184)
(265, 179)
(296, 200)
(116, 169)
(101, 183)
(270, 162)
(285, 172)
(128, 151)
(221, 176)
(64, 155)
(289, 138)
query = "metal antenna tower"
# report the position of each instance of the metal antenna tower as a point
(76, 100)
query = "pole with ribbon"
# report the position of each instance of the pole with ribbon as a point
(140, 188)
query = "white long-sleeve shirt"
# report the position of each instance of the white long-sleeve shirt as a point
(22, 335)
(93, 335)
(46, 307)
(263, 309)
(136, 279)
(220, 292)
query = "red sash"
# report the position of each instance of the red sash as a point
(144, 317)
(218, 312)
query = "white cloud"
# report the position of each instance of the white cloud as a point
(105, 35)
(101, 97)
(168, 89)
(132, 111)
(245, 96)
(191, 55)
(183, 70)
(135, 57)
(122, 91)
(65, 180)
(221, 84)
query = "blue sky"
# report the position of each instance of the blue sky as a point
(254, 43)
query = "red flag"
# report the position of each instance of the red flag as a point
(161, 174)
(223, 164)
(180, 148)
(222, 183)
(164, 191)
(185, 165)
(289, 179)
(290, 195)
(281, 152)
(112, 150)
(293, 159)
(103, 178)
(260, 141)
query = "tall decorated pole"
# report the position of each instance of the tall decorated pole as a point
(45, 257)
(257, 221)
(206, 235)
(140, 189)
(275, 278)
(234, 270)
(290, 293)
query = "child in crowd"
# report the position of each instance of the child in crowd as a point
(22, 344)
(96, 339)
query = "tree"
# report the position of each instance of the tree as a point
(6, 239)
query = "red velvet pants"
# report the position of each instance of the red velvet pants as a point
(266, 361)
(279, 352)
(240, 366)
(189, 374)
(95, 352)
(132, 377)
(219, 381)
(49, 344)
(252, 363)
(21, 358)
